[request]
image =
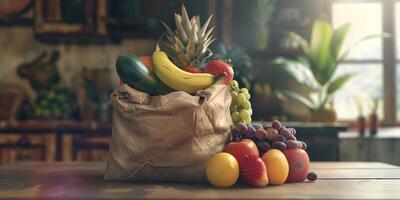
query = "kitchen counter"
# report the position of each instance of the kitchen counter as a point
(84, 180)
(382, 147)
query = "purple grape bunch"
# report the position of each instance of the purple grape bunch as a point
(268, 136)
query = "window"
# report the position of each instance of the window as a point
(397, 36)
(365, 59)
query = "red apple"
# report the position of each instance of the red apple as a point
(217, 67)
(192, 69)
(242, 148)
(299, 164)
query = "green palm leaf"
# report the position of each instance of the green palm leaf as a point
(338, 83)
(320, 51)
(311, 105)
(301, 42)
(300, 74)
(346, 52)
(338, 38)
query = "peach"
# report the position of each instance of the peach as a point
(277, 166)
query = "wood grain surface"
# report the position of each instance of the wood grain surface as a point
(84, 180)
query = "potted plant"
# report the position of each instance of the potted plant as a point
(373, 117)
(361, 122)
(314, 69)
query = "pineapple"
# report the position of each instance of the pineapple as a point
(188, 44)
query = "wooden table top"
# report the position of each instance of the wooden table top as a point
(84, 180)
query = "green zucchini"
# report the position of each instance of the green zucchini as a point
(133, 72)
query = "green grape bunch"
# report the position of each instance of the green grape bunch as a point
(240, 107)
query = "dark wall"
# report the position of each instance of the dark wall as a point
(289, 15)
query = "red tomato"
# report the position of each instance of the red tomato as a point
(299, 164)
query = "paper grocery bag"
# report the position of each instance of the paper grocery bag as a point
(169, 137)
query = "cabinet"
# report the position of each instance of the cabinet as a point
(53, 141)
(32, 147)
(383, 147)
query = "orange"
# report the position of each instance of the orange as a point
(222, 170)
(277, 166)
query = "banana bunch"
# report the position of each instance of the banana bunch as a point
(176, 78)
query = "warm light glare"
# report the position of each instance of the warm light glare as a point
(397, 38)
(365, 19)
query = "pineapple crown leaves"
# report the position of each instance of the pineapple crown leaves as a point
(188, 44)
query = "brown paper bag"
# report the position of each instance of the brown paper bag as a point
(169, 137)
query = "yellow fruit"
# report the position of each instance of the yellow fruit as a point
(222, 170)
(277, 166)
(176, 78)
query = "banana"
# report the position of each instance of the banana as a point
(176, 78)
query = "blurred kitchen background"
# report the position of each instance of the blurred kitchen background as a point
(57, 70)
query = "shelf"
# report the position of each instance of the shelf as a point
(68, 126)
(74, 38)
(16, 22)
(389, 133)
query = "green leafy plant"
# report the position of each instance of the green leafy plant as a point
(315, 68)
